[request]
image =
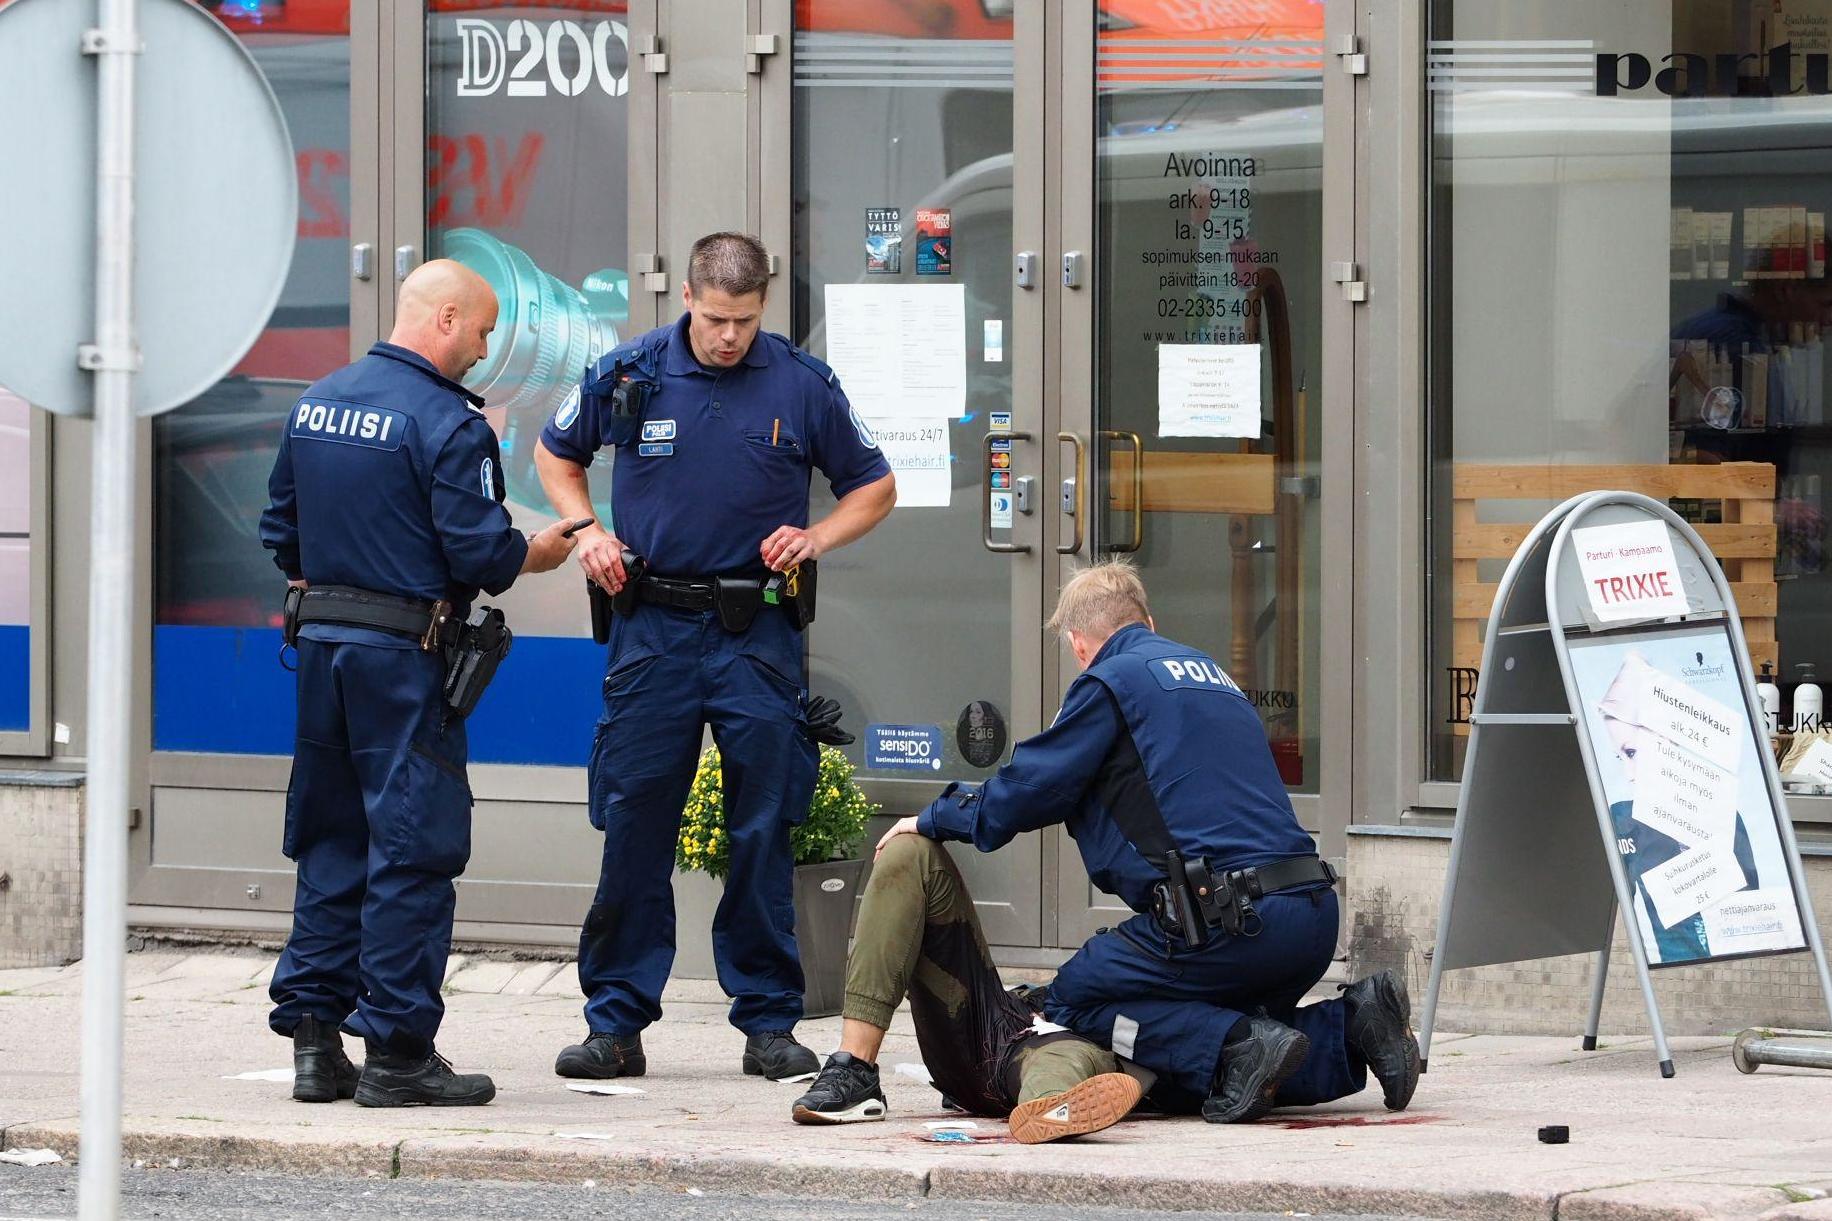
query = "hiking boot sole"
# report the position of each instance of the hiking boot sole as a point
(368, 1094)
(1266, 1089)
(1097, 1103)
(865, 1112)
(584, 1068)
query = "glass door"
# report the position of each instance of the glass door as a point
(1195, 226)
(916, 177)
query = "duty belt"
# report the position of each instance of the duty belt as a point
(682, 594)
(422, 621)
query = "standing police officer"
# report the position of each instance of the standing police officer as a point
(386, 511)
(1159, 766)
(717, 428)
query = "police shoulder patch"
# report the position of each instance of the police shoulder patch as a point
(1190, 674)
(487, 477)
(568, 412)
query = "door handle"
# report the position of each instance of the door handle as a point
(1074, 491)
(986, 538)
(405, 259)
(1138, 492)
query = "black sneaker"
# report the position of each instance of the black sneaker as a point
(404, 1081)
(1252, 1069)
(847, 1091)
(775, 1054)
(1380, 1028)
(321, 1070)
(603, 1056)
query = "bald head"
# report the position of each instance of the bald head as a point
(445, 312)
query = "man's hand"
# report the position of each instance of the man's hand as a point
(903, 826)
(549, 549)
(789, 546)
(601, 557)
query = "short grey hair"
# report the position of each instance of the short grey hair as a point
(734, 263)
(1100, 600)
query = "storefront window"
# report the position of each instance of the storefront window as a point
(527, 168)
(15, 563)
(1628, 216)
(216, 683)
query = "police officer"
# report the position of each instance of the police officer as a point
(717, 427)
(1158, 765)
(386, 510)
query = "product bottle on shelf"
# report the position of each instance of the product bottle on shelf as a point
(1770, 696)
(1809, 701)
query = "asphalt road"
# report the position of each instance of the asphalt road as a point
(210, 1195)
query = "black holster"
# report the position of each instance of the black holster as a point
(601, 611)
(481, 644)
(737, 599)
(289, 615)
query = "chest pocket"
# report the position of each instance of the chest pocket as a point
(781, 446)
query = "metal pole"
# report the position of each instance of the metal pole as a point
(113, 357)
(1755, 1048)
(1597, 983)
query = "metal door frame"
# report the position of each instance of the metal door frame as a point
(1325, 814)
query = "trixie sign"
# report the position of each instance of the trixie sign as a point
(1684, 74)
(1629, 571)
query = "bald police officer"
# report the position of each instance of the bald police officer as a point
(717, 427)
(386, 502)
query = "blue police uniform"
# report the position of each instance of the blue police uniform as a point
(387, 480)
(720, 458)
(1151, 720)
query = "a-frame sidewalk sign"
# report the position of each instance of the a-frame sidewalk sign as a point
(1617, 762)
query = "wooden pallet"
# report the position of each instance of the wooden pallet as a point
(1744, 543)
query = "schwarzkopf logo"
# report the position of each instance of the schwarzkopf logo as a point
(1689, 75)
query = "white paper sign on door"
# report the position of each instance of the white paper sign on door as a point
(900, 349)
(1630, 571)
(1693, 880)
(917, 451)
(1209, 390)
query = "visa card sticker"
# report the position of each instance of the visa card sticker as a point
(1000, 421)
(903, 748)
(656, 449)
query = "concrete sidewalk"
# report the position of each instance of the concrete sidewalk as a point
(1709, 1143)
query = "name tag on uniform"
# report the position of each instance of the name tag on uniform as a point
(1191, 674)
(348, 423)
(653, 449)
(658, 430)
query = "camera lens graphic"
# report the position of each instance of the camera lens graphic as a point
(546, 333)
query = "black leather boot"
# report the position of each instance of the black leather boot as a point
(1380, 1028)
(1252, 1069)
(775, 1054)
(321, 1070)
(603, 1056)
(392, 1080)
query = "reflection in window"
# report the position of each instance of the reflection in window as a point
(1629, 291)
(15, 563)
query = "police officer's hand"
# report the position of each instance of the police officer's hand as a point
(903, 826)
(549, 549)
(789, 546)
(601, 556)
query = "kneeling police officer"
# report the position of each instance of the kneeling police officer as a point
(1159, 766)
(386, 516)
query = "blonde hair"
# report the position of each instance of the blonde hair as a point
(1100, 600)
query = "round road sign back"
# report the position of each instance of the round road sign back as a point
(215, 202)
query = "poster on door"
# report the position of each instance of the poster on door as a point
(1689, 805)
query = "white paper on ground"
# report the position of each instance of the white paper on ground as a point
(917, 1072)
(938, 1125)
(918, 453)
(602, 1087)
(586, 1136)
(1629, 571)
(900, 349)
(1753, 920)
(1680, 712)
(797, 1079)
(1679, 794)
(1209, 390)
(1694, 879)
(30, 1157)
(265, 1074)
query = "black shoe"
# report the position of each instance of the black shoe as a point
(847, 1091)
(1380, 1028)
(321, 1070)
(603, 1056)
(1033, 996)
(1252, 1069)
(775, 1054)
(403, 1081)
